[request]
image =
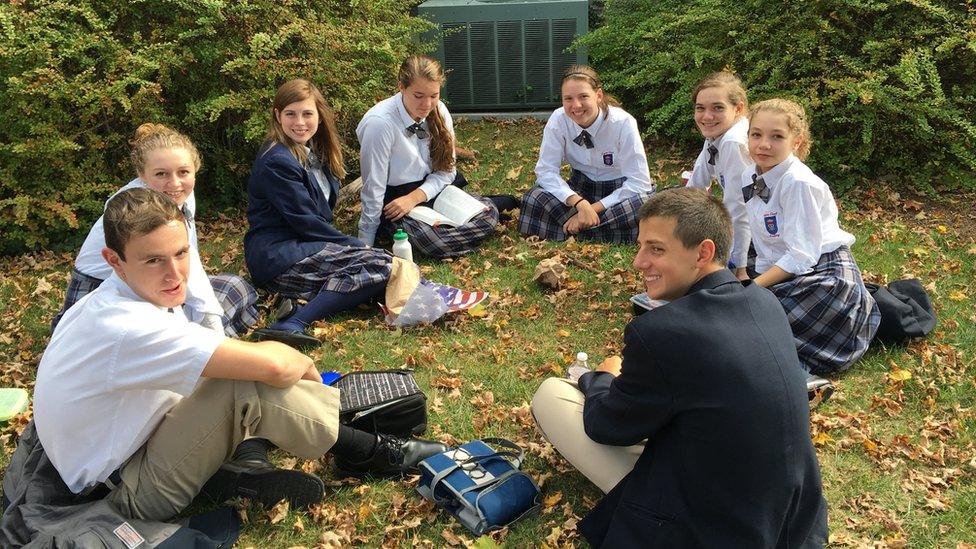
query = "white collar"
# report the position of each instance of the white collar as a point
(772, 177)
(405, 118)
(593, 128)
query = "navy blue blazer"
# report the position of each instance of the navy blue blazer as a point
(712, 381)
(288, 216)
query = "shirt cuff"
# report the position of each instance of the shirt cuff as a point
(795, 266)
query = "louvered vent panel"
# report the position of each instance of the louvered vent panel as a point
(505, 54)
(511, 65)
(456, 59)
(563, 33)
(538, 65)
(484, 63)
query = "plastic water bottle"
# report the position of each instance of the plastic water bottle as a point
(578, 367)
(401, 245)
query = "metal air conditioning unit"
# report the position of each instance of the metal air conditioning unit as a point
(506, 54)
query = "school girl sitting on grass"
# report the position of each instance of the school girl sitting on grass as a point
(802, 254)
(609, 179)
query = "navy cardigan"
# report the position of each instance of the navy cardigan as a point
(288, 216)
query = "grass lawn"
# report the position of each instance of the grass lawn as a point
(896, 442)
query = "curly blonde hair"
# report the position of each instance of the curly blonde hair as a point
(151, 137)
(796, 121)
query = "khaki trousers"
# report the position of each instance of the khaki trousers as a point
(558, 410)
(201, 432)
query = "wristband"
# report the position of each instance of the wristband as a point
(577, 202)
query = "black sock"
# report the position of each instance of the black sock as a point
(354, 445)
(253, 448)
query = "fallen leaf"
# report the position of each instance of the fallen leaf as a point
(278, 512)
(899, 374)
(478, 311)
(43, 286)
(821, 439)
(958, 295)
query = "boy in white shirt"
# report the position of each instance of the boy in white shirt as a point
(133, 398)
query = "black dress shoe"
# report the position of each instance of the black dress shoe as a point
(260, 481)
(818, 390)
(394, 457)
(504, 202)
(298, 340)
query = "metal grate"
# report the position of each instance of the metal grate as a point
(506, 53)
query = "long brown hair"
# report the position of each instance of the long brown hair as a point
(735, 92)
(586, 74)
(151, 137)
(325, 142)
(441, 140)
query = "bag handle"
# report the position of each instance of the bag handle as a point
(516, 451)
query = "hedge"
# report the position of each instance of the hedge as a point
(78, 76)
(890, 85)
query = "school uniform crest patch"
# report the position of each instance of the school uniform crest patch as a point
(772, 227)
(608, 158)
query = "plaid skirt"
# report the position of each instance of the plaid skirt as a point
(239, 301)
(442, 241)
(832, 314)
(543, 215)
(79, 286)
(236, 297)
(335, 268)
(446, 241)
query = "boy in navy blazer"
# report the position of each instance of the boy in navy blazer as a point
(700, 433)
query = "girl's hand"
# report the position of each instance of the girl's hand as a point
(572, 226)
(398, 208)
(586, 215)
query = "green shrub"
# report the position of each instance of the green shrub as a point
(890, 85)
(78, 76)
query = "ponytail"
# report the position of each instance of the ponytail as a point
(441, 139)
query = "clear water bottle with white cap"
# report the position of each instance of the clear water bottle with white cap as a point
(401, 245)
(578, 367)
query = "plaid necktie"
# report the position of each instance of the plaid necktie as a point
(712, 154)
(186, 213)
(418, 130)
(758, 188)
(584, 140)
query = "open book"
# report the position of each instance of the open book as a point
(453, 207)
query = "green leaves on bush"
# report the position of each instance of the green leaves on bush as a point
(890, 85)
(78, 76)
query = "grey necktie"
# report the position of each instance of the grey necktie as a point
(758, 188)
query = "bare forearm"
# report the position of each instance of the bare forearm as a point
(774, 275)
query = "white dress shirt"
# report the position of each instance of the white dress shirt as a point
(391, 156)
(200, 297)
(617, 152)
(113, 368)
(731, 162)
(798, 224)
(319, 176)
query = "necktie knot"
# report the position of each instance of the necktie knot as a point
(418, 130)
(712, 154)
(584, 140)
(758, 188)
(187, 213)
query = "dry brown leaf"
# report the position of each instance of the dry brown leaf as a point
(278, 513)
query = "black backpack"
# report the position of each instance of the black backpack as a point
(906, 310)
